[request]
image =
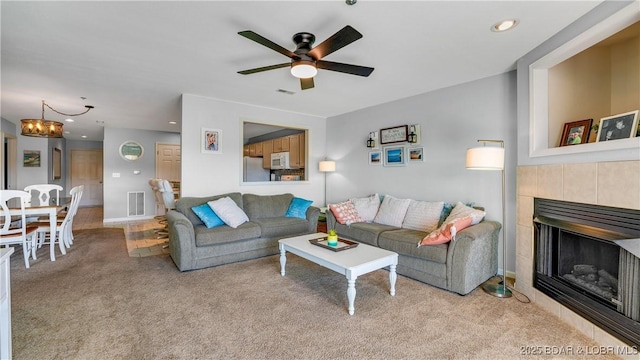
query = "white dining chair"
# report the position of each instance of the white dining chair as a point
(44, 192)
(64, 233)
(17, 232)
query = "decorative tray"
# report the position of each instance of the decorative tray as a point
(343, 244)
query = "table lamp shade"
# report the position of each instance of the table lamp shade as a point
(485, 158)
(327, 166)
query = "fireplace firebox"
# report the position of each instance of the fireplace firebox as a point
(586, 258)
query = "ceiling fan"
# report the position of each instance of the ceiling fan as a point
(305, 60)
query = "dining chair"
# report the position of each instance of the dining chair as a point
(64, 233)
(44, 192)
(161, 233)
(17, 232)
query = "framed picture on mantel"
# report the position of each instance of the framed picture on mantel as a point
(576, 132)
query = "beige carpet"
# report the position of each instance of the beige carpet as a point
(96, 302)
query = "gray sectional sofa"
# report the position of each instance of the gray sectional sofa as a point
(458, 266)
(194, 246)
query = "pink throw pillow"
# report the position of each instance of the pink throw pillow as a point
(345, 212)
(447, 231)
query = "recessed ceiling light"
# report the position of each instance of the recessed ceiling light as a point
(69, 120)
(504, 25)
(84, 136)
(172, 122)
(67, 132)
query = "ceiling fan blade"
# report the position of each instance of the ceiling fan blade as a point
(268, 43)
(306, 83)
(335, 42)
(264, 68)
(344, 68)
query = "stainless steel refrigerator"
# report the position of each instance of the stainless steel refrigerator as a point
(252, 170)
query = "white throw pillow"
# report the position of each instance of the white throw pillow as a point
(423, 215)
(392, 211)
(228, 211)
(367, 207)
(461, 210)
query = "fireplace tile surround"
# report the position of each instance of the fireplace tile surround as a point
(614, 184)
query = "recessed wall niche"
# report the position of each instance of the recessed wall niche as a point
(597, 74)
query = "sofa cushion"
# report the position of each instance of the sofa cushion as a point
(403, 241)
(363, 232)
(229, 212)
(392, 211)
(461, 210)
(278, 227)
(266, 206)
(447, 231)
(185, 204)
(345, 212)
(225, 234)
(423, 215)
(207, 215)
(367, 207)
(298, 208)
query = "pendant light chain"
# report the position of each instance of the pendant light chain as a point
(89, 107)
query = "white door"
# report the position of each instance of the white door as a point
(86, 169)
(168, 161)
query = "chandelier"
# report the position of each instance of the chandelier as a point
(46, 128)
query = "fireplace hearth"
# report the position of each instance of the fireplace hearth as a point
(586, 259)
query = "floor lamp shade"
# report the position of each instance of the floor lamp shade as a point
(485, 158)
(327, 166)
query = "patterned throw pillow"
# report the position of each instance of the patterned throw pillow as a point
(367, 207)
(207, 215)
(298, 208)
(392, 211)
(229, 211)
(447, 231)
(345, 212)
(462, 210)
(423, 215)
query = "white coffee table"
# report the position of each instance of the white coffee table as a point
(350, 262)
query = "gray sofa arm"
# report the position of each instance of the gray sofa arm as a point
(313, 213)
(472, 257)
(182, 240)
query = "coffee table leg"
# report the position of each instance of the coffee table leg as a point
(283, 259)
(351, 295)
(392, 279)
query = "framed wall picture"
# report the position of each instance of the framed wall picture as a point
(57, 163)
(416, 154)
(393, 134)
(576, 132)
(31, 158)
(621, 126)
(395, 156)
(211, 141)
(375, 158)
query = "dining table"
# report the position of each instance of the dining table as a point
(51, 209)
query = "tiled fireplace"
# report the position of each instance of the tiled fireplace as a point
(610, 184)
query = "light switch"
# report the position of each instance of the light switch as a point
(115, 175)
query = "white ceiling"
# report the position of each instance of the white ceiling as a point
(133, 60)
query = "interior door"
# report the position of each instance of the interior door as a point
(86, 169)
(168, 164)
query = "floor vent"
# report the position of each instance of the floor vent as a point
(135, 203)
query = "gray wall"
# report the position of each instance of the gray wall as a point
(451, 120)
(115, 189)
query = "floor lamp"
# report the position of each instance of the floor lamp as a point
(326, 166)
(492, 158)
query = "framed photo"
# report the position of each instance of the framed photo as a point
(210, 142)
(395, 156)
(394, 134)
(57, 163)
(576, 132)
(416, 154)
(621, 126)
(375, 158)
(31, 158)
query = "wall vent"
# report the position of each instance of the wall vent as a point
(135, 203)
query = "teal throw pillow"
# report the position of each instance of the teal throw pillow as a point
(207, 215)
(298, 208)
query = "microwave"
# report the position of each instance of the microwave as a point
(280, 161)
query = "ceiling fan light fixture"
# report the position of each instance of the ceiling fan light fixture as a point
(303, 69)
